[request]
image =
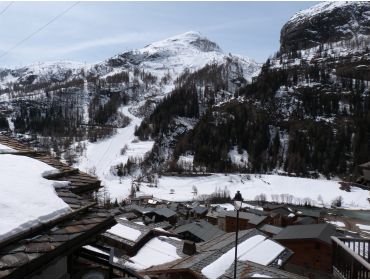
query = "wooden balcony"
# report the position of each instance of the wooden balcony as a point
(351, 258)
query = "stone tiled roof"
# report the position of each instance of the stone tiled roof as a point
(321, 232)
(203, 230)
(252, 218)
(270, 229)
(22, 254)
(165, 212)
(18, 259)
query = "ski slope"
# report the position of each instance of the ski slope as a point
(102, 155)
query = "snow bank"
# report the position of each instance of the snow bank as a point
(27, 199)
(154, 252)
(125, 232)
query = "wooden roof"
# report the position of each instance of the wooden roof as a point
(23, 257)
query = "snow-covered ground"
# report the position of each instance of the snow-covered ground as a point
(27, 199)
(102, 155)
(277, 188)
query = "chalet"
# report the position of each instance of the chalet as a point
(139, 210)
(246, 221)
(313, 214)
(129, 216)
(129, 237)
(165, 214)
(312, 247)
(282, 216)
(198, 231)
(212, 217)
(215, 258)
(199, 212)
(143, 200)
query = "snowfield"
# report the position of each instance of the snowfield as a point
(99, 157)
(277, 188)
(27, 199)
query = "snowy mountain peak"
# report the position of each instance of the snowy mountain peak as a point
(172, 56)
(192, 39)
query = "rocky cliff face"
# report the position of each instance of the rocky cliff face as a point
(324, 23)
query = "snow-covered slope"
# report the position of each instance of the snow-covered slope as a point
(170, 57)
(43, 72)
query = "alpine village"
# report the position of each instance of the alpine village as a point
(182, 160)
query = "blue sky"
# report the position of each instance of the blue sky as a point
(94, 31)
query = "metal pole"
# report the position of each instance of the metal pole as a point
(236, 242)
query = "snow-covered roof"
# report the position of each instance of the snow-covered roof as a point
(4, 148)
(156, 251)
(215, 257)
(257, 249)
(125, 232)
(27, 199)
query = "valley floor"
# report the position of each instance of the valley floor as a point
(101, 156)
(276, 188)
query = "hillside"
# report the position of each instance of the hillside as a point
(306, 113)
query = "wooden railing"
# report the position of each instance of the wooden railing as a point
(351, 258)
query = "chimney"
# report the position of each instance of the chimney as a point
(189, 248)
